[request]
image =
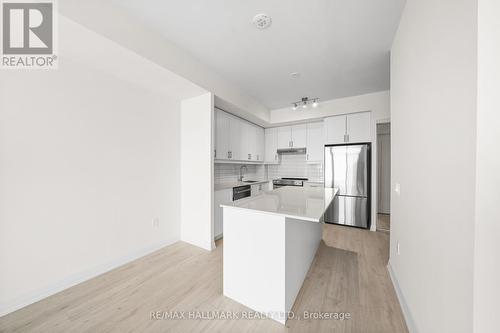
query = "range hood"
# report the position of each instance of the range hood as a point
(292, 151)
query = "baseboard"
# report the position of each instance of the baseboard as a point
(410, 323)
(70, 281)
(207, 247)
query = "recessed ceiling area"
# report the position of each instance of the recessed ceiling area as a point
(340, 48)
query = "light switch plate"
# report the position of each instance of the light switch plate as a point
(397, 189)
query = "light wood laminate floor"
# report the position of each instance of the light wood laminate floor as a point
(349, 274)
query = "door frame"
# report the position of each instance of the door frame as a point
(378, 169)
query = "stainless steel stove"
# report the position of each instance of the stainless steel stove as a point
(277, 183)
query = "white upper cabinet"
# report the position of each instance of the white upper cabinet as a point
(284, 137)
(299, 136)
(359, 127)
(271, 142)
(221, 135)
(247, 135)
(260, 144)
(336, 129)
(315, 142)
(237, 139)
(351, 128)
(292, 136)
(252, 142)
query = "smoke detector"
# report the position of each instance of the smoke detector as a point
(262, 21)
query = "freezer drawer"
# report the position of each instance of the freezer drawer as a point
(351, 211)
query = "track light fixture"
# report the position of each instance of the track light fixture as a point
(305, 101)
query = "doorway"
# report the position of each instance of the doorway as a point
(384, 177)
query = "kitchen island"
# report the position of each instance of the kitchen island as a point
(269, 244)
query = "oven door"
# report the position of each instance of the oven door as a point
(241, 192)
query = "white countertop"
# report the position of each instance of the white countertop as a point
(224, 186)
(294, 202)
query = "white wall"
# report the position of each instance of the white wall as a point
(433, 103)
(379, 105)
(487, 232)
(197, 171)
(111, 20)
(89, 155)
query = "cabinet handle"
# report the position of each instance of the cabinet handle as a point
(347, 137)
(275, 157)
(257, 157)
(229, 154)
(307, 157)
(215, 153)
(249, 156)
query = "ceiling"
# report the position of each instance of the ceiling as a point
(339, 47)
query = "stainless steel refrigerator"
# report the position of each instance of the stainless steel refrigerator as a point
(347, 167)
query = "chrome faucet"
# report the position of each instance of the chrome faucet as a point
(241, 172)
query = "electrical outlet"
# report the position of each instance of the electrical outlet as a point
(397, 248)
(155, 222)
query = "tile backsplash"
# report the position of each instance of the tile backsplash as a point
(294, 165)
(225, 173)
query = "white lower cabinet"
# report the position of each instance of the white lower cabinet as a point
(220, 197)
(257, 189)
(226, 196)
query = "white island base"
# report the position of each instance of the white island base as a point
(267, 254)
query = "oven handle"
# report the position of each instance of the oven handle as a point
(242, 191)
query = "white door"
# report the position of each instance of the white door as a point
(284, 137)
(315, 142)
(299, 136)
(384, 173)
(335, 128)
(271, 142)
(359, 127)
(221, 135)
